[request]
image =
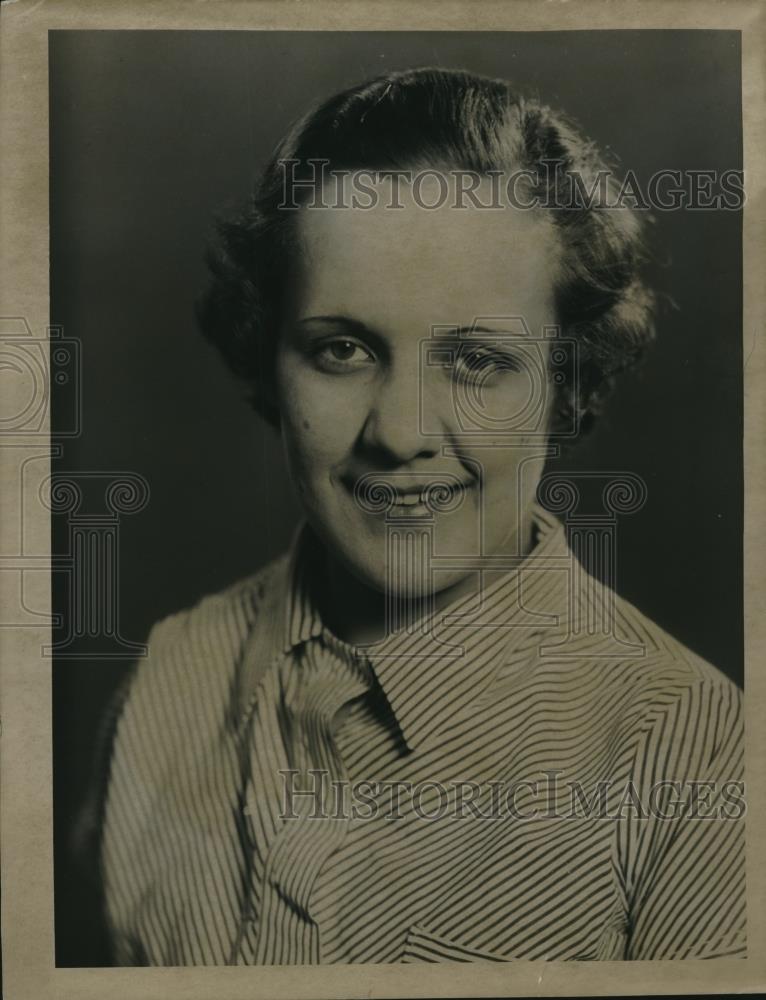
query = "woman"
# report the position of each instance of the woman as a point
(397, 743)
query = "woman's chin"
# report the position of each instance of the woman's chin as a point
(409, 583)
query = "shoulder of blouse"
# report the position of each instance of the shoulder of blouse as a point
(175, 701)
(169, 706)
(678, 702)
(193, 655)
(665, 656)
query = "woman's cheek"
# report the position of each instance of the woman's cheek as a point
(318, 427)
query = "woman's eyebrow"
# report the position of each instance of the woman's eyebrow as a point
(350, 325)
(463, 331)
(486, 333)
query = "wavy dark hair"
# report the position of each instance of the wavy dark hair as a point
(431, 117)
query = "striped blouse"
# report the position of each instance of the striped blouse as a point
(496, 784)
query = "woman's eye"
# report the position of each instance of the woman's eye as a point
(342, 355)
(343, 350)
(478, 364)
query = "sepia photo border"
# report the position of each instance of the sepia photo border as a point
(26, 762)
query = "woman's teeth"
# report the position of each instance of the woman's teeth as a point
(410, 499)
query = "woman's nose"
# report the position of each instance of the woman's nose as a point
(394, 424)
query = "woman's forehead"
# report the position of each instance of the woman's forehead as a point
(443, 259)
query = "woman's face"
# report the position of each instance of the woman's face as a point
(413, 353)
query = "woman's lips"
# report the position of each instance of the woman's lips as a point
(385, 494)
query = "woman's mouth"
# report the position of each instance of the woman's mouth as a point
(394, 496)
(418, 502)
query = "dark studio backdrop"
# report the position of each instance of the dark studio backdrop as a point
(153, 133)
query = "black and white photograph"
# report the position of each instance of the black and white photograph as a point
(390, 419)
